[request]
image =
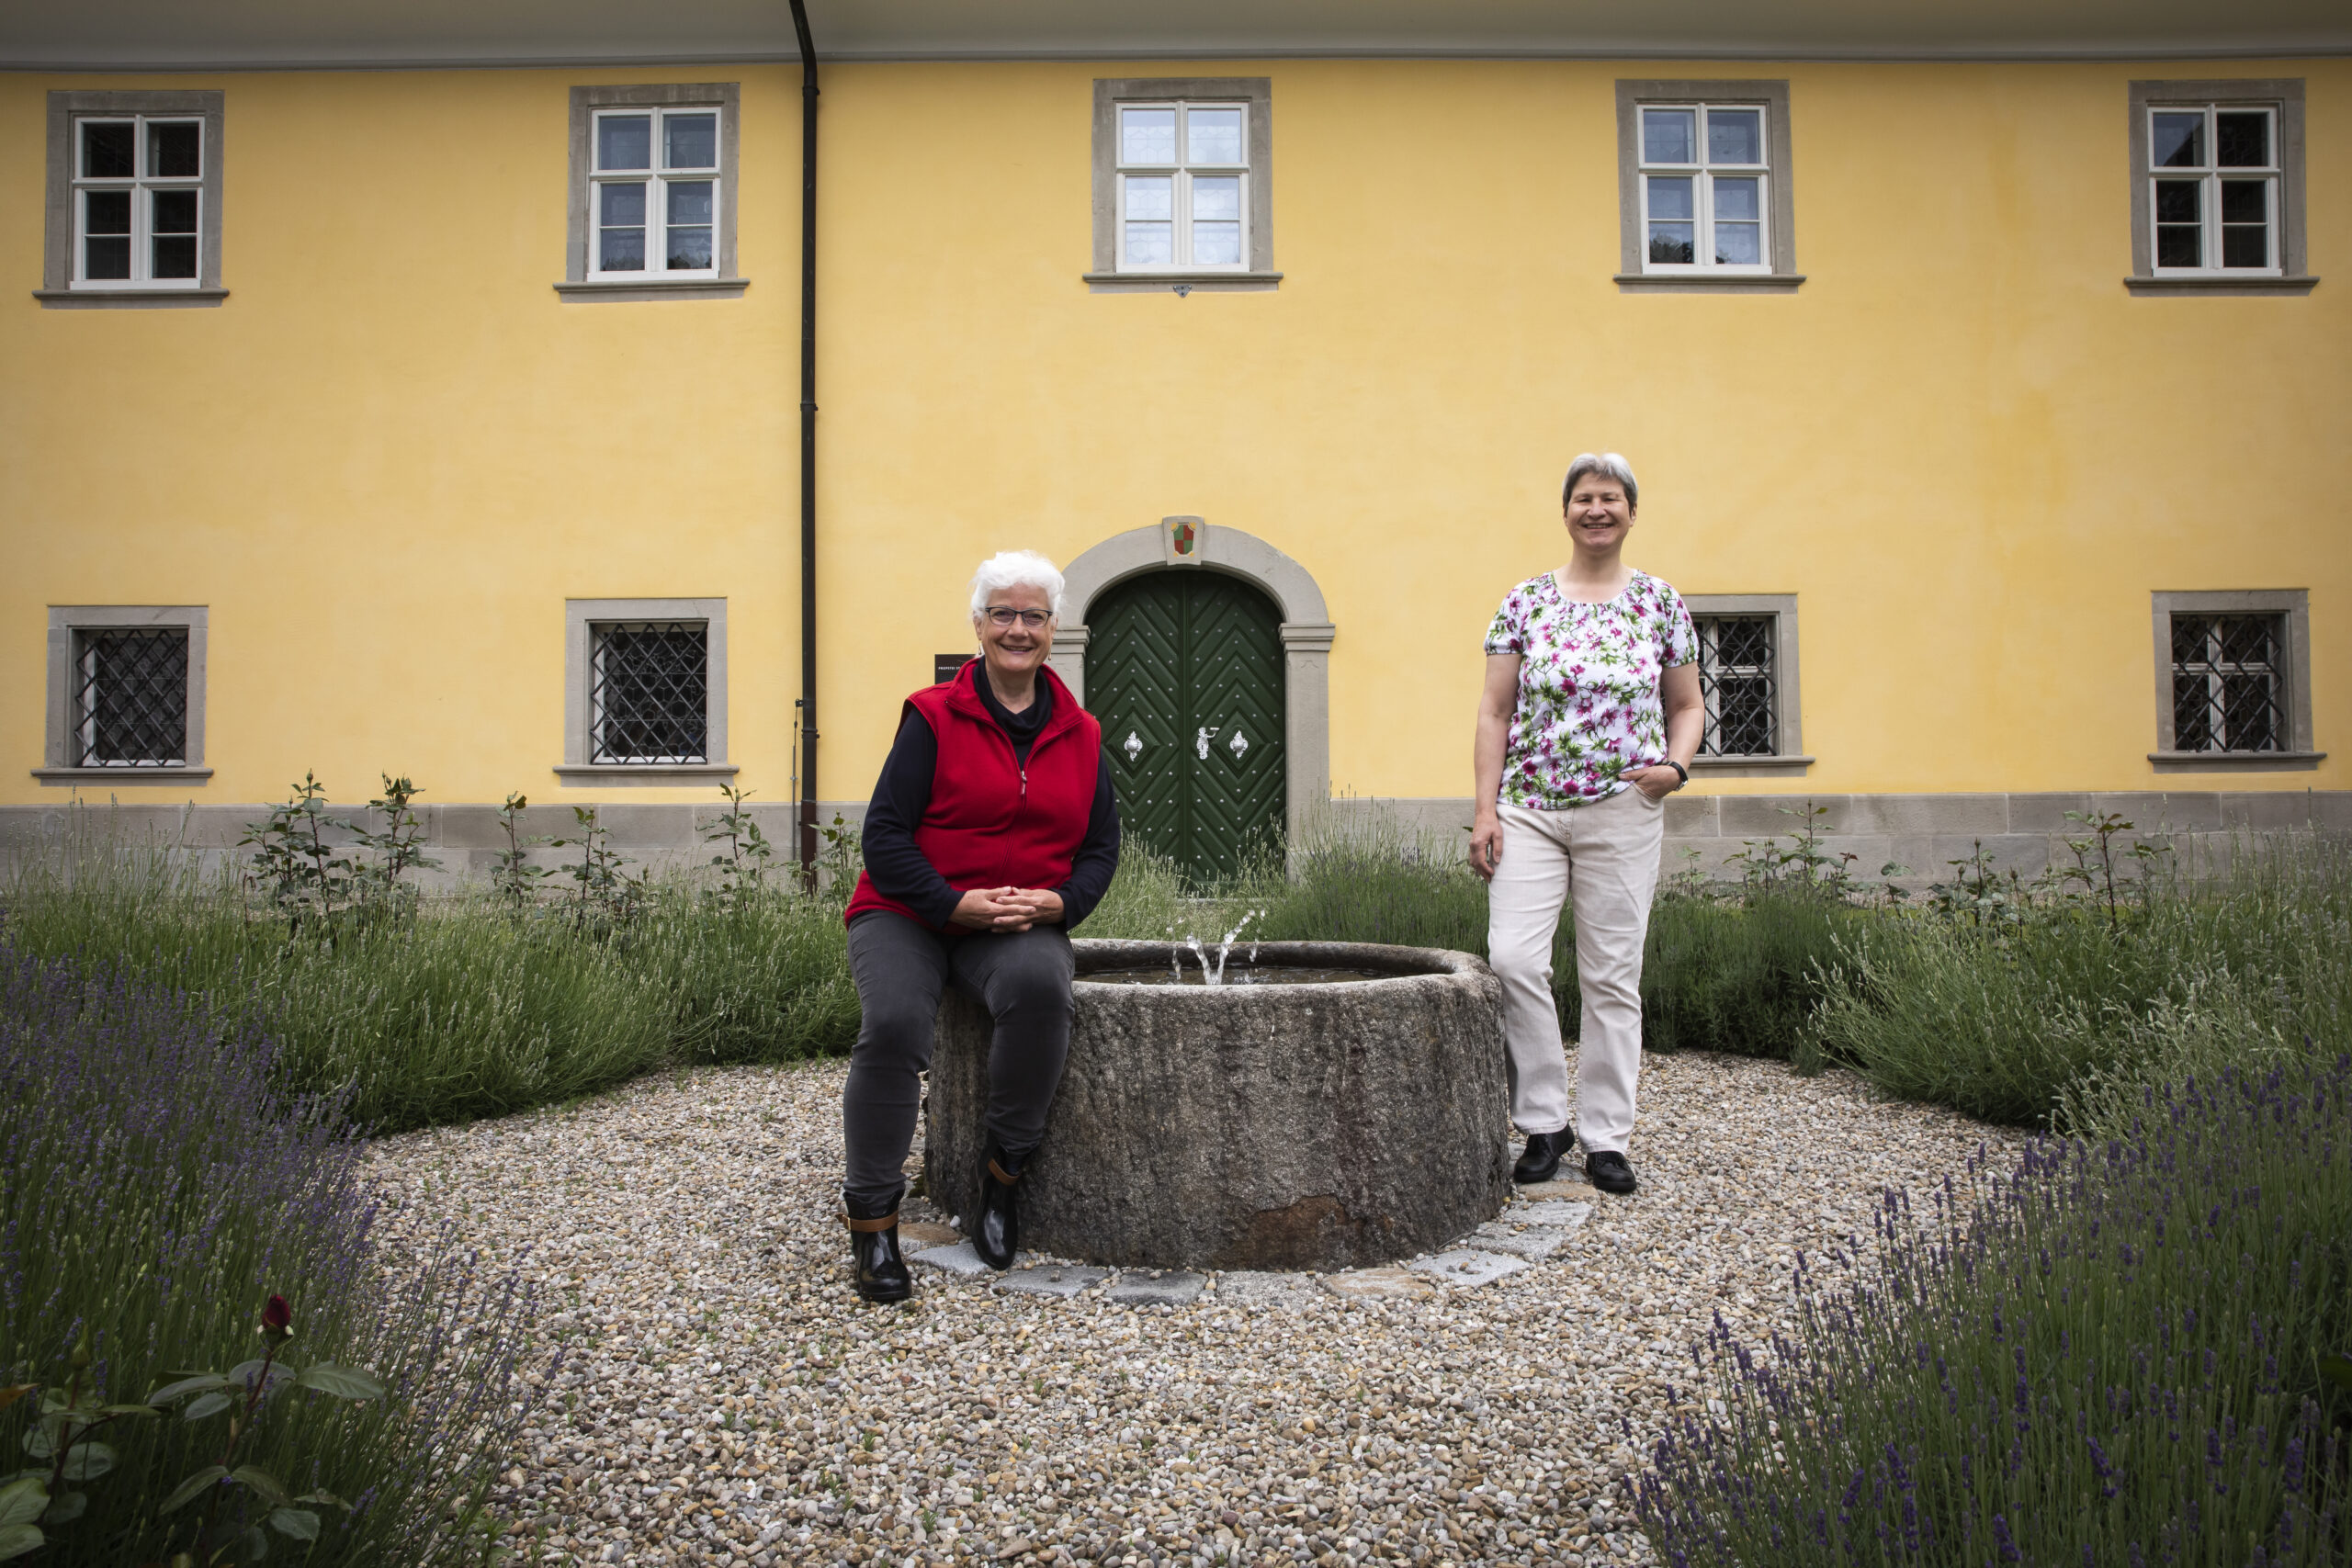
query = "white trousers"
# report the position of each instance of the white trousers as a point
(1602, 860)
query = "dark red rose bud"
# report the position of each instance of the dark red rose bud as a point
(277, 1317)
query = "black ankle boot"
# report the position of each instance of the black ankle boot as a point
(874, 1248)
(996, 1235)
(1542, 1160)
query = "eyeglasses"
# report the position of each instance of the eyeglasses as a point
(1000, 616)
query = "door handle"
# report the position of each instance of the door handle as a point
(1239, 744)
(1134, 748)
(1201, 742)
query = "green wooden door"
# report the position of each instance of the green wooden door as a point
(1184, 669)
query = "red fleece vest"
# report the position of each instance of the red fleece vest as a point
(992, 823)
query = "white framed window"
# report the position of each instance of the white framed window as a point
(1183, 186)
(1705, 188)
(645, 690)
(2215, 187)
(654, 192)
(138, 200)
(1748, 681)
(132, 216)
(2233, 680)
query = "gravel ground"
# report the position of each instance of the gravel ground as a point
(724, 1398)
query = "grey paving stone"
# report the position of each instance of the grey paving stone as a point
(959, 1258)
(1166, 1287)
(1561, 1189)
(1466, 1266)
(1054, 1279)
(1534, 1243)
(1375, 1284)
(1256, 1287)
(1566, 1216)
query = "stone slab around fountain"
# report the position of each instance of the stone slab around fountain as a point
(1160, 1287)
(1468, 1265)
(1265, 1127)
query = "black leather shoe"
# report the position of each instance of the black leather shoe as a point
(874, 1249)
(1607, 1169)
(996, 1235)
(1542, 1160)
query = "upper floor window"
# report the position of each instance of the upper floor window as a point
(652, 209)
(1705, 175)
(134, 199)
(1704, 186)
(1181, 174)
(2217, 187)
(2214, 178)
(138, 200)
(655, 188)
(2233, 680)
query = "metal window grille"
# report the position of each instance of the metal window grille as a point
(2227, 695)
(649, 692)
(130, 698)
(1737, 680)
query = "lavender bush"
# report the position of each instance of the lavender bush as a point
(158, 1192)
(2114, 1357)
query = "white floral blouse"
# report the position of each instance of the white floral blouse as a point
(1588, 706)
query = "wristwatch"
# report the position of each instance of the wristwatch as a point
(1682, 773)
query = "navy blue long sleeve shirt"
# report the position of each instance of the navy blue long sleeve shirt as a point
(901, 796)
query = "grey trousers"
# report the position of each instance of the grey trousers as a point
(901, 968)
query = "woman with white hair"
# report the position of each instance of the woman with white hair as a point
(991, 832)
(1589, 719)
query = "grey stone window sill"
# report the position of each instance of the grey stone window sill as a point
(2235, 761)
(2222, 283)
(617, 288)
(121, 775)
(1703, 283)
(130, 299)
(1750, 767)
(576, 774)
(1182, 282)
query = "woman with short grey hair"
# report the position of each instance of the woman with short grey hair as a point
(991, 832)
(1589, 719)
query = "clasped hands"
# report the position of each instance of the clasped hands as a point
(1006, 908)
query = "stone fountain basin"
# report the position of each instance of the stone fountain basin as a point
(1273, 1126)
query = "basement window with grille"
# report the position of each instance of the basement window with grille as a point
(126, 692)
(1748, 679)
(2232, 670)
(645, 689)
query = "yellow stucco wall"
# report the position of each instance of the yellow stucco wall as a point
(392, 452)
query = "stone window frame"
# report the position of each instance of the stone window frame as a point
(58, 767)
(580, 617)
(2283, 94)
(1788, 703)
(2293, 605)
(58, 290)
(727, 98)
(1772, 96)
(1257, 91)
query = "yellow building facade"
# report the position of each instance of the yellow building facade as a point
(2012, 480)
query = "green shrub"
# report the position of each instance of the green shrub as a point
(761, 978)
(2057, 1012)
(1721, 973)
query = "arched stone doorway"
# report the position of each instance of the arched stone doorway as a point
(1304, 629)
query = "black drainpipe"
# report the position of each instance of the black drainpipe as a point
(808, 445)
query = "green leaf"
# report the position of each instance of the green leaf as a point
(17, 1539)
(22, 1501)
(66, 1509)
(300, 1523)
(2336, 1367)
(192, 1383)
(207, 1404)
(128, 1410)
(88, 1460)
(262, 1481)
(329, 1498)
(341, 1382)
(193, 1487)
(256, 1544)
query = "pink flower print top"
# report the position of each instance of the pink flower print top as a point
(1588, 707)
